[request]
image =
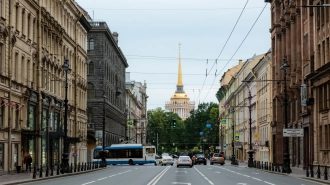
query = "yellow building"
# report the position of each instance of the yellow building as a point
(180, 102)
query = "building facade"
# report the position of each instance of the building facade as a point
(106, 101)
(180, 102)
(36, 37)
(136, 106)
(300, 43)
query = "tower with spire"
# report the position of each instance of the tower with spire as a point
(180, 102)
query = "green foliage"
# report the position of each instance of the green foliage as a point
(186, 134)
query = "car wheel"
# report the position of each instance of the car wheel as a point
(211, 163)
(177, 166)
(130, 162)
(171, 164)
(191, 166)
(155, 164)
(204, 163)
(221, 164)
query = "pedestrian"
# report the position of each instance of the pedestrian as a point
(27, 161)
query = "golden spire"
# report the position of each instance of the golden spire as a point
(179, 70)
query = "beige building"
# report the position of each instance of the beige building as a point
(180, 102)
(136, 106)
(35, 38)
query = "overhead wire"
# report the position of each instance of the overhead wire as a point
(224, 45)
(237, 48)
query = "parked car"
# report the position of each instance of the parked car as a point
(217, 158)
(184, 161)
(167, 160)
(200, 158)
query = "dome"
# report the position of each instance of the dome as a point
(179, 96)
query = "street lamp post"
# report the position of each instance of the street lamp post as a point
(250, 152)
(104, 163)
(65, 155)
(286, 155)
(233, 159)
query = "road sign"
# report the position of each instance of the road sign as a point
(256, 136)
(74, 154)
(227, 106)
(208, 125)
(236, 137)
(224, 122)
(293, 132)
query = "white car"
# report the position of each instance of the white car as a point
(167, 160)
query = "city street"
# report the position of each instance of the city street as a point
(167, 175)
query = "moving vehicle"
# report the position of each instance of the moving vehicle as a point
(126, 154)
(217, 158)
(184, 161)
(200, 158)
(167, 160)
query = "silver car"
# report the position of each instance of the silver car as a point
(184, 161)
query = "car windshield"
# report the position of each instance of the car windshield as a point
(184, 157)
(216, 155)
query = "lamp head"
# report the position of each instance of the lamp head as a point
(285, 65)
(66, 66)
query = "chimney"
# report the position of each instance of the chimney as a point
(115, 37)
(240, 61)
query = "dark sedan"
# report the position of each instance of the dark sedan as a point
(200, 158)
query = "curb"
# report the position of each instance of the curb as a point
(51, 177)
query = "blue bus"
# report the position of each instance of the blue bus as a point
(126, 154)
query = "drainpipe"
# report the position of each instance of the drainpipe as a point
(11, 45)
(75, 89)
(39, 85)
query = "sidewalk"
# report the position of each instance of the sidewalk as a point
(17, 178)
(296, 173)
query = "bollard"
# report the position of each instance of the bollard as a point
(40, 171)
(307, 172)
(262, 165)
(93, 167)
(51, 170)
(78, 167)
(34, 172)
(47, 171)
(325, 172)
(318, 172)
(85, 167)
(82, 167)
(75, 167)
(71, 168)
(311, 170)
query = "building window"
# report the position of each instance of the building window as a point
(90, 91)
(31, 123)
(91, 44)
(91, 68)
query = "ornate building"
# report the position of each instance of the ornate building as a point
(180, 102)
(106, 99)
(35, 38)
(296, 40)
(136, 106)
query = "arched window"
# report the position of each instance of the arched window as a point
(91, 44)
(90, 91)
(91, 68)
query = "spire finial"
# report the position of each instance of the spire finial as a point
(179, 69)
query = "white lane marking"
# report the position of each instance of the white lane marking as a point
(156, 179)
(181, 183)
(255, 173)
(210, 182)
(102, 178)
(217, 172)
(241, 184)
(88, 182)
(256, 179)
(268, 183)
(181, 171)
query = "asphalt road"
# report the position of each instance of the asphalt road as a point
(169, 175)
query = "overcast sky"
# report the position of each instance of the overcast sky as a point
(150, 32)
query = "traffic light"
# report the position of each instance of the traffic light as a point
(174, 123)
